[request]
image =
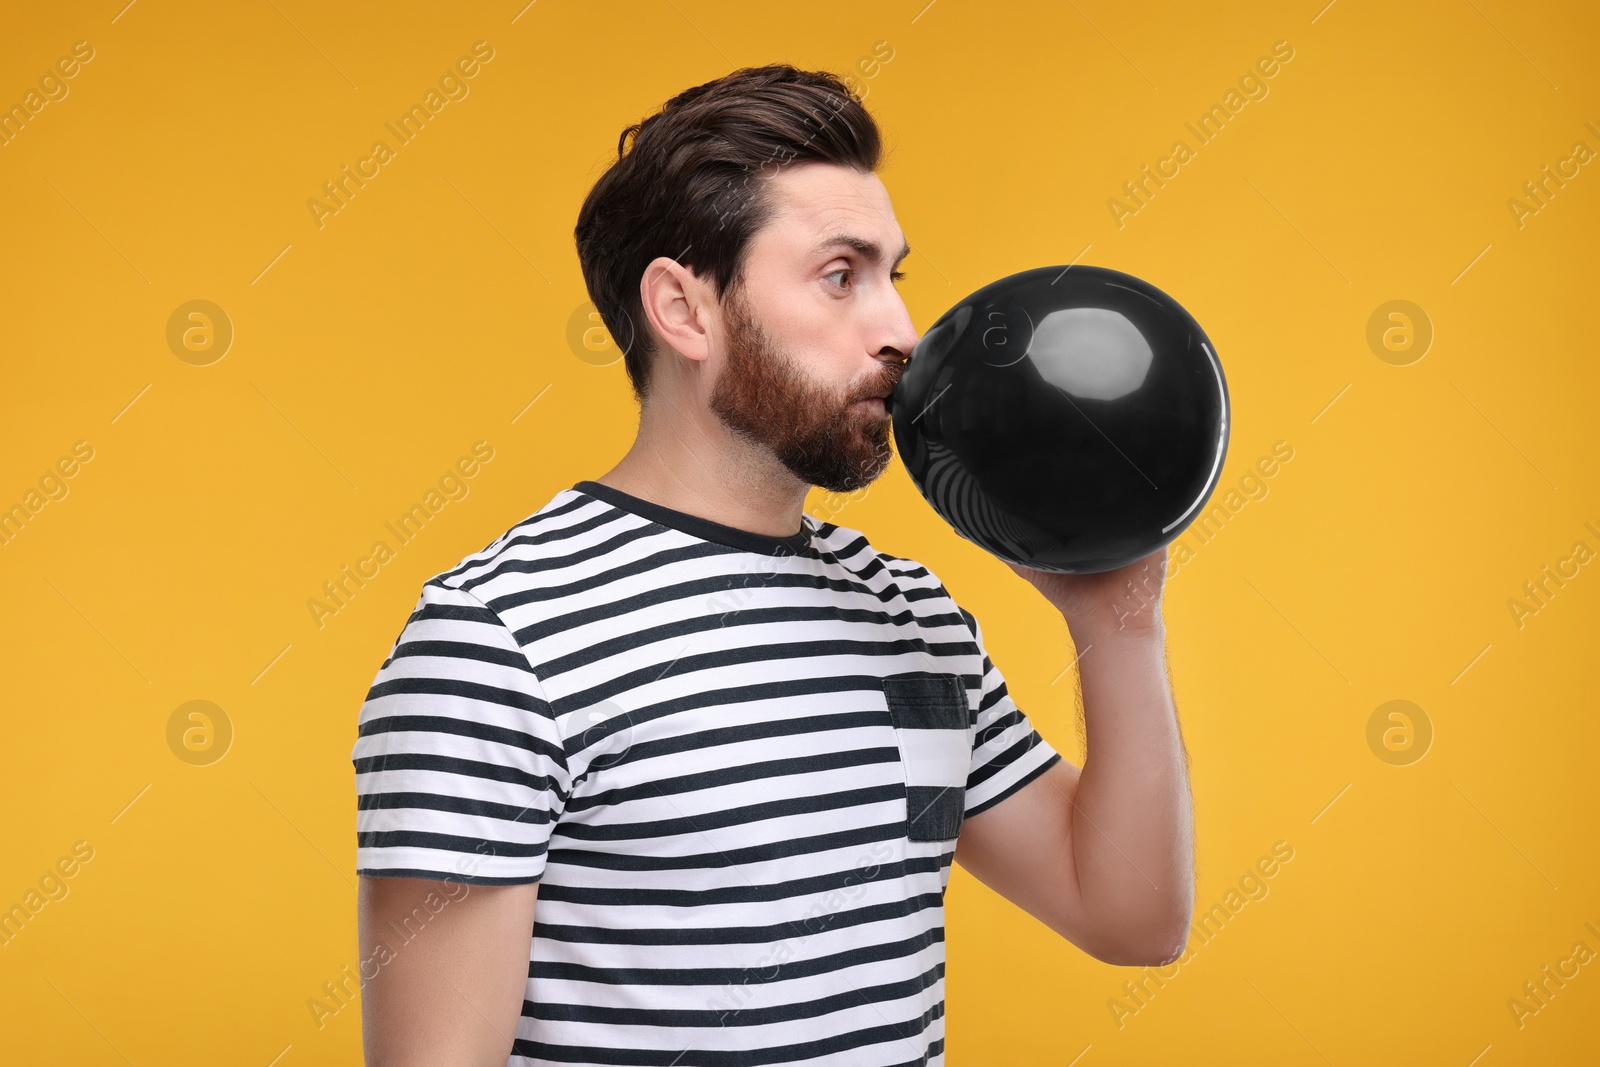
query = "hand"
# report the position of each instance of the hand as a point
(1125, 599)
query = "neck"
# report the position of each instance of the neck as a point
(699, 468)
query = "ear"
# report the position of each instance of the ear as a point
(680, 306)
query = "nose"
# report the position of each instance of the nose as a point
(900, 335)
(900, 339)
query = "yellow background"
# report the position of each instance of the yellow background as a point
(434, 309)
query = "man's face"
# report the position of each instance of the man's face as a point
(816, 329)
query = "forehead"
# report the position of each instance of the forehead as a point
(813, 201)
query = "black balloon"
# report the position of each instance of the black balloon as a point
(1069, 419)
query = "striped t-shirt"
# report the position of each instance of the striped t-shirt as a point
(736, 763)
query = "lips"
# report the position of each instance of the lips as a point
(881, 399)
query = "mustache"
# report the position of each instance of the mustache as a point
(886, 386)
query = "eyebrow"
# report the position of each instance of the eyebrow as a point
(871, 250)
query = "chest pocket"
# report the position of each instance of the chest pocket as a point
(931, 726)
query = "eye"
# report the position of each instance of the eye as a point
(893, 275)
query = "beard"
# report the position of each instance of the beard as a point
(822, 436)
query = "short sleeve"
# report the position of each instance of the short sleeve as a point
(1007, 751)
(460, 767)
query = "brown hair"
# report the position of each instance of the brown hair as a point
(685, 189)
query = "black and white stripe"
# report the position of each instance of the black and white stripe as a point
(737, 765)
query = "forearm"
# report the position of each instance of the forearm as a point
(1132, 818)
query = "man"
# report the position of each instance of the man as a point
(728, 748)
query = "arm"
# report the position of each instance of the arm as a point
(1103, 855)
(451, 995)
(461, 774)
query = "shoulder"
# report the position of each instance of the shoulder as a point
(475, 601)
(540, 544)
(911, 577)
